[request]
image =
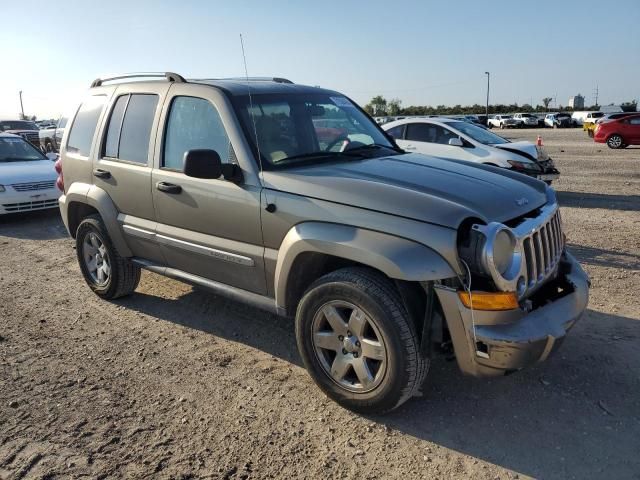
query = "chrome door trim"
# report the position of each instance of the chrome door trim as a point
(139, 232)
(208, 251)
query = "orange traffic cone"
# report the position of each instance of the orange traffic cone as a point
(539, 141)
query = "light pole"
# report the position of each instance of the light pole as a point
(21, 107)
(487, 112)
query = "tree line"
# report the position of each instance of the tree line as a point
(381, 107)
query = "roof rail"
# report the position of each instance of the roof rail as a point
(250, 79)
(170, 76)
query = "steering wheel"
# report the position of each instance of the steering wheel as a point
(340, 138)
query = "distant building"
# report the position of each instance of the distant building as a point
(577, 102)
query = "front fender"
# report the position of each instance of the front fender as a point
(86, 194)
(394, 256)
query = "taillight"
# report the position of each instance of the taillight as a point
(60, 180)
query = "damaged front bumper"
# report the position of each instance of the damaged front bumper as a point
(498, 342)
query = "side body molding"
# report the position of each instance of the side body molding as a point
(396, 257)
(96, 197)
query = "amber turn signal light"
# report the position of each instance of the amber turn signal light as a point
(489, 300)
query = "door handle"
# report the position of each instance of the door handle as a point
(409, 147)
(98, 172)
(168, 187)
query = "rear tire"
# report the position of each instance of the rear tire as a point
(615, 141)
(107, 273)
(358, 342)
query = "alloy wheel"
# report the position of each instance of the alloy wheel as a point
(96, 259)
(349, 346)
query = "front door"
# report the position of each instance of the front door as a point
(432, 139)
(206, 227)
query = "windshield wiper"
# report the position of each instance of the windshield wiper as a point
(374, 146)
(314, 155)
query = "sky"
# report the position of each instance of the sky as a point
(422, 52)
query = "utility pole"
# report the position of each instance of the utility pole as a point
(595, 95)
(21, 107)
(487, 110)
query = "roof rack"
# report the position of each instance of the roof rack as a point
(250, 79)
(170, 76)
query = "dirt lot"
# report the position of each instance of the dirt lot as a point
(174, 382)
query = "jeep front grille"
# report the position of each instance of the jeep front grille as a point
(542, 249)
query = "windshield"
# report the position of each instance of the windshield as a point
(303, 127)
(563, 115)
(526, 115)
(15, 149)
(478, 134)
(17, 125)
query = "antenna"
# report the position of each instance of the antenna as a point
(253, 120)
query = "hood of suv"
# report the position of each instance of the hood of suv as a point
(429, 189)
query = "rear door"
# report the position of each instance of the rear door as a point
(123, 163)
(634, 131)
(207, 227)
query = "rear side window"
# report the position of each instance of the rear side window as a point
(129, 130)
(84, 125)
(635, 121)
(193, 123)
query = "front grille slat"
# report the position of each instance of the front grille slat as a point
(25, 206)
(542, 247)
(29, 187)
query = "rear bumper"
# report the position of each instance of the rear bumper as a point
(514, 339)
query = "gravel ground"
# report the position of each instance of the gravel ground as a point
(174, 382)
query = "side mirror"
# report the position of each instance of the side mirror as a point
(456, 142)
(202, 163)
(52, 156)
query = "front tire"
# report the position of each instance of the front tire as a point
(615, 141)
(357, 341)
(107, 273)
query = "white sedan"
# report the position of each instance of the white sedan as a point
(27, 176)
(456, 140)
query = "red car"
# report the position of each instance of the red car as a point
(619, 133)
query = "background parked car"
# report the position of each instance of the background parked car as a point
(25, 128)
(459, 140)
(28, 176)
(503, 121)
(558, 120)
(526, 119)
(580, 118)
(620, 132)
(50, 138)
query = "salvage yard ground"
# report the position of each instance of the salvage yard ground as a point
(174, 382)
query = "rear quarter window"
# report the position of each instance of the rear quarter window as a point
(84, 125)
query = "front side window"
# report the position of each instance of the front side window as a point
(84, 125)
(193, 123)
(298, 128)
(635, 121)
(16, 149)
(478, 134)
(430, 133)
(396, 132)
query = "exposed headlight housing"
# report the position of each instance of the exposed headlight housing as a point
(494, 251)
(524, 166)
